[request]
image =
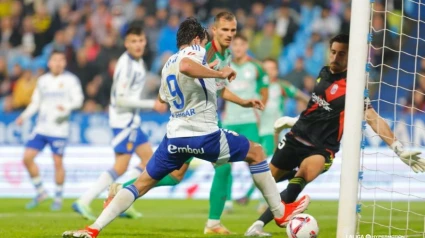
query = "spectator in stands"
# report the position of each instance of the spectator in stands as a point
(23, 89)
(296, 76)
(83, 69)
(5, 85)
(28, 40)
(17, 14)
(267, 43)
(9, 37)
(167, 36)
(91, 47)
(100, 22)
(345, 25)
(327, 24)
(286, 23)
(109, 49)
(41, 23)
(309, 83)
(257, 11)
(107, 77)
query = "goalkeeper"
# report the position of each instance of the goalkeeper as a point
(315, 136)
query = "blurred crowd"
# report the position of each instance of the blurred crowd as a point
(295, 32)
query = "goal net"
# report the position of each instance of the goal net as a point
(391, 196)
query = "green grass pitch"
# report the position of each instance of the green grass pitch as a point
(186, 218)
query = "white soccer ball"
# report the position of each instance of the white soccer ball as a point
(302, 226)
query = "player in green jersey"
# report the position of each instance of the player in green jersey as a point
(279, 91)
(251, 82)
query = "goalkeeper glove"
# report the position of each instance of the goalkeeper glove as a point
(410, 158)
(284, 123)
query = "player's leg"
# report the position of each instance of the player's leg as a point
(267, 142)
(171, 179)
(161, 164)
(123, 148)
(57, 145)
(143, 151)
(33, 147)
(310, 167)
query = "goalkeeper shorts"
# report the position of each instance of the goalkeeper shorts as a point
(290, 155)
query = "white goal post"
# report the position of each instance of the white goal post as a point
(354, 102)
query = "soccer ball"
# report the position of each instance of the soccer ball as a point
(302, 226)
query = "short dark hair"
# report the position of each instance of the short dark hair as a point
(341, 38)
(271, 60)
(228, 16)
(208, 37)
(241, 36)
(57, 51)
(135, 30)
(189, 29)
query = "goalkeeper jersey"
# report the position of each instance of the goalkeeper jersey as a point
(275, 105)
(321, 124)
(250, 79)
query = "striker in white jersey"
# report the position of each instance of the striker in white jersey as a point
(51, 93)
(193, 102)
(129, 80)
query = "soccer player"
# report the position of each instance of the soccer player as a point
(58, 92)
(315, 136)
(193, 131)
(124, 119)
(251, 82)
(278, 91)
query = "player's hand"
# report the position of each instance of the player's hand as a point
(19, 121)
(412, 159)
(254, 103)
(160, 107)
(213, 64)
(284, 123)
(228, 73)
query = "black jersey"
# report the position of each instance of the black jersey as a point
(321, 124)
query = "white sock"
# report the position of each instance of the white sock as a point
(264, 181)
(228, 203)
(58, 193)
(38, 184)
(212, 222)
(135, 172)
(261, 223)
(121, 202)
(104, 180)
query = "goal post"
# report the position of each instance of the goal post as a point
(354, 113)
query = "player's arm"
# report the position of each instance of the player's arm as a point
(380, 126)
(32, 108)
(77, 96)
(228, 95)
(262, 83)
(122, 90)
(291, 91)
(195, 70)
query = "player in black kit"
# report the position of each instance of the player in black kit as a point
(315, 137)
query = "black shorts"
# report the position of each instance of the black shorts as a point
(291, 152)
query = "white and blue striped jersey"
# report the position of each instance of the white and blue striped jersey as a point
(126, 93)
(54, 98)
(193, 102)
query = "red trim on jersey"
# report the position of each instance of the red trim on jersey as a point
(213, 45)
(336, 90)
(311, 109)
(341, 125)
